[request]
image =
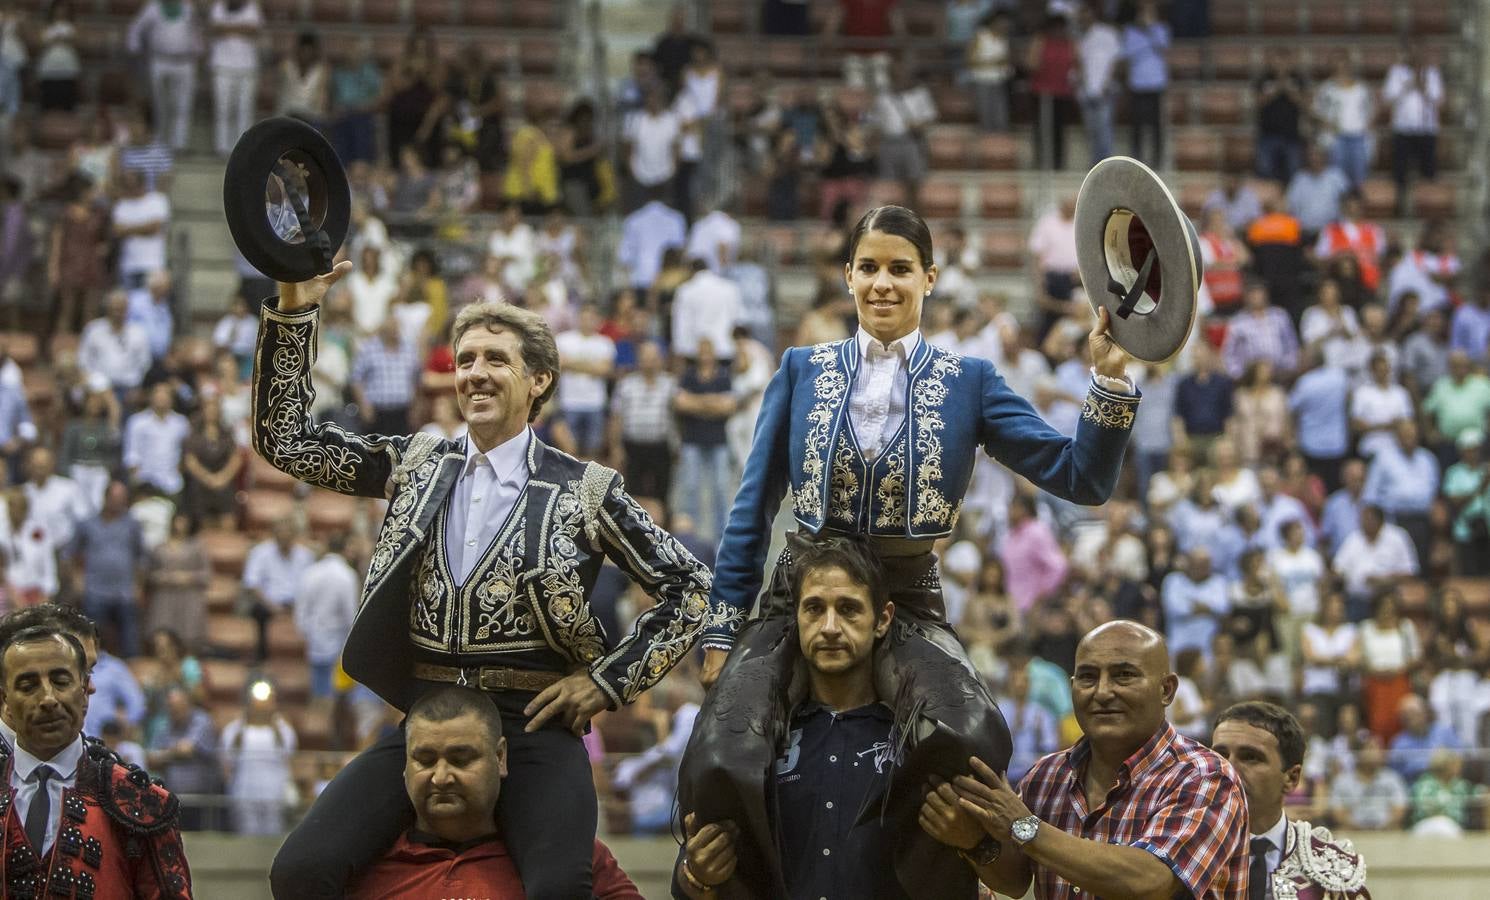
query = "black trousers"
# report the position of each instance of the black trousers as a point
(546, 813)
(1147, 115)
(649, 469)
(1409, 151)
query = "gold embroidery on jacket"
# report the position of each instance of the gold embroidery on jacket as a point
(843, 492)
(890, 492)
(1107, 411)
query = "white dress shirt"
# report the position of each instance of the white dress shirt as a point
(274, 574)
(326, 606)
(1276, 835)
(152, 447)
(59, 502)
(706, 306)
(121, 356)
(1415, 97)
(65, 768)
(877, 399)
(489, 487)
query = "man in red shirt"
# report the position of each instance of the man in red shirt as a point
(456, 759)
(1133, 809)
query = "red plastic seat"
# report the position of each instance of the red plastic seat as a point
(940, 199)
(995, 151)
(1197, 151)
(1001, 200)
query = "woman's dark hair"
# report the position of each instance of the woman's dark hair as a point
(1187, 663)
(1275, 720)
(896, 220)
(583, 107)
(172, 638)
(428, 257)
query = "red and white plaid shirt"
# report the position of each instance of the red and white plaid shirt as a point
(1174, 798)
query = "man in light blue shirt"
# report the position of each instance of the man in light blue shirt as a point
(118, 698)
(1145, 45)
(1414, 745)
(1342, 511)
(1315, 193)
(1403, 481)
(1471, 330)
(1195, 602)
(1320, 402)
(645, 235)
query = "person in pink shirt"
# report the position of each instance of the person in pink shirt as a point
(1034, 565)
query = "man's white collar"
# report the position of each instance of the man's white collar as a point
(506, 459)
(64, 762)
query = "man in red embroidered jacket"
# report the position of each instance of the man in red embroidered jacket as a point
(455, 760)
(1288, 858)
(77, 822)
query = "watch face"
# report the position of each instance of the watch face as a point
(1024, 829)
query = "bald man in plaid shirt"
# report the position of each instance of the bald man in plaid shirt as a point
(1134, 809)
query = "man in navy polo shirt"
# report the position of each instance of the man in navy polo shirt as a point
(838, 752)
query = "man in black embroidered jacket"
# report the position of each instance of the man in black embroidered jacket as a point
(480, 576)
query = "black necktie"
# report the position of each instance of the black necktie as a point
(40, 811)
(1257, 872)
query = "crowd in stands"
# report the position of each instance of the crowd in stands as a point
(1305, 513)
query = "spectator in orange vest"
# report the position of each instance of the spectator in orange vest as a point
(1349, 235)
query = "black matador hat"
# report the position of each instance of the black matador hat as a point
(1139, 257)
(287, 200)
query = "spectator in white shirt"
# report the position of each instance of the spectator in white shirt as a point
(237, 333)
(1300, 570)
(1098, 52)
(153, 438)
(1414, 91)
(588, 358)
(141, 219)
(1377, 406)
(705, 307)
(652, 138)
(168, 31)
(325, 605)
(257, 748)
(115, 348)
(902, 113)
(1343, 105)
(305, 80)
(645, 235)
(372, 287)
(989, 68)
(1373, 558)
(715, 239)
(55, 500)
(234, 61)
(272, 576)
(515, 246)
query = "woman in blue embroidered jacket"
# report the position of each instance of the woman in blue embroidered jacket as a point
(877, 435)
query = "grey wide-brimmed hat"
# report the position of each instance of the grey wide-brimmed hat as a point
(1139, 257)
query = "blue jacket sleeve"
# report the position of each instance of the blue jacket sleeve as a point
(1082, 470)
(738, 572)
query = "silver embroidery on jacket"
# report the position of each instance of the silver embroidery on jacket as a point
(830, 388)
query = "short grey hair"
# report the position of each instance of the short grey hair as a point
(540, 353)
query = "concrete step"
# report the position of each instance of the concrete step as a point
(211, 288)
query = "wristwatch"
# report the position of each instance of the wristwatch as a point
(1023, 830)
(984, 853)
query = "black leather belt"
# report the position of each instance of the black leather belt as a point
(488, 678)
